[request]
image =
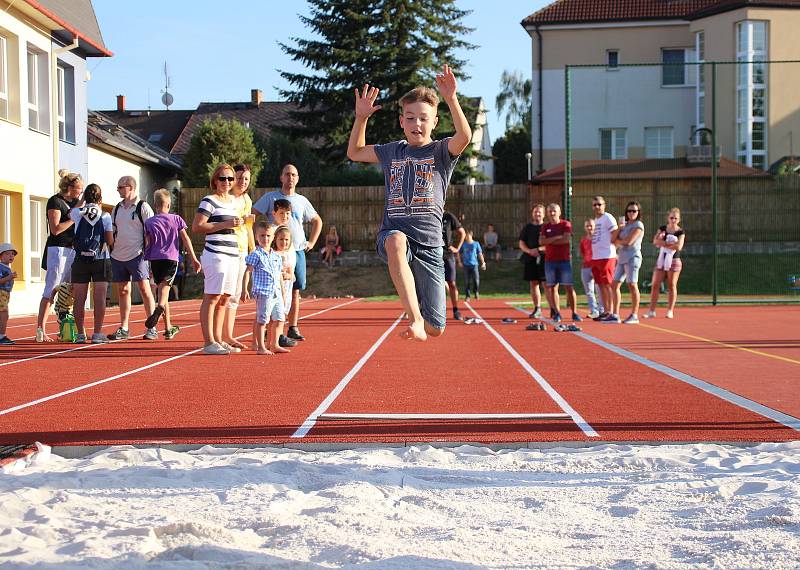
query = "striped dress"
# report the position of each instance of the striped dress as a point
(222, 242)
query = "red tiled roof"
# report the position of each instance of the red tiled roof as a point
(584, 11)
(646, 168)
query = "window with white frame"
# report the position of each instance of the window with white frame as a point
(65, 90)
(60, 90)
(613, 144)
(675, 71)
(38, 92)
(658, 142)
(700, 111)
(751, 93)
(3, 77)
(38, 237)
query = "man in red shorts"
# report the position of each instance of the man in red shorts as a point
(604, 255)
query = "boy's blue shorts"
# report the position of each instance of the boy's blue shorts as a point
(427, 266)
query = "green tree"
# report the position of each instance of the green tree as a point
(218, 141)
(392, 44)
(281, 149)
(510, 165)
(515, 99)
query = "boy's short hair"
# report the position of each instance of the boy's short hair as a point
(161, 197)
(420, 95)
(281, 204)
(261, 225)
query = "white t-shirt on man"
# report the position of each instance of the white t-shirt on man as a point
(602, 248)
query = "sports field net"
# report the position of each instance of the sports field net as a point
(647, 133)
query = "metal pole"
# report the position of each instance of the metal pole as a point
(568, 139)
(714, 266)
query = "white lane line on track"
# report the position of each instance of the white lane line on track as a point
(544, 384)
(730, 397)
(152, 365)
(309, 422)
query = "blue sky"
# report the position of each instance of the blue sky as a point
(219, 51)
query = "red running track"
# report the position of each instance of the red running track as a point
(607, 378)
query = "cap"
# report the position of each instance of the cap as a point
(4, 247)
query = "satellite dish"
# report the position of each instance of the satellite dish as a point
(167, 99)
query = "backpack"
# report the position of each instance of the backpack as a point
(89, 235)
(139, 205)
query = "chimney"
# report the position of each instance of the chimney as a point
(256, 97)
(121, 103)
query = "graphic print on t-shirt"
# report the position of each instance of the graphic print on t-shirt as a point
(421, 202)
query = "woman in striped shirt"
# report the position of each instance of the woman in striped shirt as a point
(216, 217)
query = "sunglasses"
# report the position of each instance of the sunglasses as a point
(673, 218)
(631, 211)
(598, 204)
(225, 178)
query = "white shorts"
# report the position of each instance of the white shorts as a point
(220, 273)
(59, 269)
(233, 302)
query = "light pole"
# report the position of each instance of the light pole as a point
(529, 162)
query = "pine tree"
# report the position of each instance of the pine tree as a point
(392, 44)
(220, 141)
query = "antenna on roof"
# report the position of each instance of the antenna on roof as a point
(166, 98)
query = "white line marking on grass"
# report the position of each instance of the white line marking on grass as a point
(128, 373)
(312, 418)
(557, 398)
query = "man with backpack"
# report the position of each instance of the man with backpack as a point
(127, 260)
(94, 237)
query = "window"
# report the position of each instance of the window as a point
(38, 91)
(65, 90)
(751, 94)
(658, 142)
(612, 59)
(5, 218)
(38, 237)
(613, 144)
(62, 121)
(674, 70)
(3, 78)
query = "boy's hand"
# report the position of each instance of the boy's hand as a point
(446, 82)
(365, 102)
(245, 296)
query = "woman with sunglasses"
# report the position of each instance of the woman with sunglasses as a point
(58, 249)
(244, 238)
(217, 217)
(672, 273)
(628, 239)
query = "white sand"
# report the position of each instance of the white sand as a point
(611, 506)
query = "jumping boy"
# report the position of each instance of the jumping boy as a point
(417, 171)
(162, 234)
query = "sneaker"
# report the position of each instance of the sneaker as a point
(171, 332)
(151, 334)
(229, 348)
(576, 318)
(536, 314)
(6, 341)
(286, 342)
(119, 334)
(294, 333)
(669, 315)
(466, 298)
(593, 315)
(152, 320)
(612, 319)
(477, 296)
(600, 317)
(214, 348)
(631, 320)
(80, 338)
(457, 314)
(99, 338)
(556, 317)
(649, 315)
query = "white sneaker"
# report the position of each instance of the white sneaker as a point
(669, 315)
(593, 315)
(649, 315)
(230, 348)
(214, 348)
(631, 320)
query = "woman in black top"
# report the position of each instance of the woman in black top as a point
(674, 271)
(533, 257)
(58, 249)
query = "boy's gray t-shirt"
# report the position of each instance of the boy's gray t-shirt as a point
(416, 181)
(628, 252)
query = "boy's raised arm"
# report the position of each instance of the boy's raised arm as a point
(446, 82)
(357, 148)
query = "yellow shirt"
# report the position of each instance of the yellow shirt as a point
(244, 233)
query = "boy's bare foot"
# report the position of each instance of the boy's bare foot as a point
(279, 349)
(264, 351)
(415, 331)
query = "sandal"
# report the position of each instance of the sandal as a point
(536, 327)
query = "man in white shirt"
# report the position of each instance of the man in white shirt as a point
(127, 260)
(604, 255)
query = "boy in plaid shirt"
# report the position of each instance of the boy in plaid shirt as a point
(266, 268)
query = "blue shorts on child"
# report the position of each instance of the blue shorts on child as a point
(269, 308)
